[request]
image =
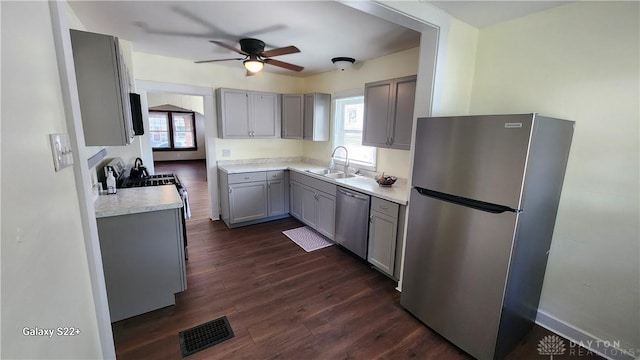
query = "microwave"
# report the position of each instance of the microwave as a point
(136, 114)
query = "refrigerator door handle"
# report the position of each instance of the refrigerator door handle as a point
(474, 204)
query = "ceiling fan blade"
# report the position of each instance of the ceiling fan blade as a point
(283, 65)
(216, 60)
(280, 51)
(228, 47)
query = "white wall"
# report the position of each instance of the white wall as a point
(189, 102)
(45, 275)
(580, 62)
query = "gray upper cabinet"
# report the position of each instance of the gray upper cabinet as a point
(292, 116)
(264, 115)
(103, 89)
(248, 114)
(317, 116)
(306, 116)
(233, 113)
(388, 113)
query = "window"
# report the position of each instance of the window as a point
(348, 124)
(172, 130)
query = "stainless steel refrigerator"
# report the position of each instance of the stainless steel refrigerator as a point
(483, 203)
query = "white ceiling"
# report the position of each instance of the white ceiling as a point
(485, 13)
(320, 29)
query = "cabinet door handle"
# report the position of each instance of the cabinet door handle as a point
(247, 177)
(230, 190)
(371, 218)
(384, 207)
(391, 140)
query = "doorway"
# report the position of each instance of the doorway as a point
(150, 93)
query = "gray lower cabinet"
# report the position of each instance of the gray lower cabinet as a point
(384, 222)
(143, 261)
(247, 201)
(313, 202)
(250, 198)
(326, 214)
(309, 206)
(388, 113)
(295, 196)
(278, 192)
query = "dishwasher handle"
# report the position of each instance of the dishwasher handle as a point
(350, 194)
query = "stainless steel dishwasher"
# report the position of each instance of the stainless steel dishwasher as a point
(352, 221)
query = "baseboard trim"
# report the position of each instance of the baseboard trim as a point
(598, 346)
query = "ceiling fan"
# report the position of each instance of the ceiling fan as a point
(255, 57)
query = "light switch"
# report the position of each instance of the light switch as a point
(61, 149)
(226, 152)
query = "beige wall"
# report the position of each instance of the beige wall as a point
(179, 71)
(399, 64)
(580, 62)
(458, 69)
(45, 274)
(152, 67)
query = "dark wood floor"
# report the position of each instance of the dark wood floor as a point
(282, 302)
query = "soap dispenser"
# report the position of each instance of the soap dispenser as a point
(111, 182)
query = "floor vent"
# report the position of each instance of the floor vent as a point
(203, 336)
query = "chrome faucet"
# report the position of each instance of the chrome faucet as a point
(346, 159)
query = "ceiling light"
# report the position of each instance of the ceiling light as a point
(343, 62)
(253, 65)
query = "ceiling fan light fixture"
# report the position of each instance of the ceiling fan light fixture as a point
(343, 62)
(253, 65)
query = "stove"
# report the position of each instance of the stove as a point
(123, 182)
(152, 180)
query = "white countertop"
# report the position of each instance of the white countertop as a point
(138, 200)
(398, 193)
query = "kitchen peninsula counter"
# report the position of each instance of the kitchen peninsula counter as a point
(138, 200)
(398, 193)
(143, 248)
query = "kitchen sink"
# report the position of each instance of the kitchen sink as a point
(339, 175)
(326, 172)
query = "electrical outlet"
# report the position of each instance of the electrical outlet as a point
(61, 150)
(226, 152)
